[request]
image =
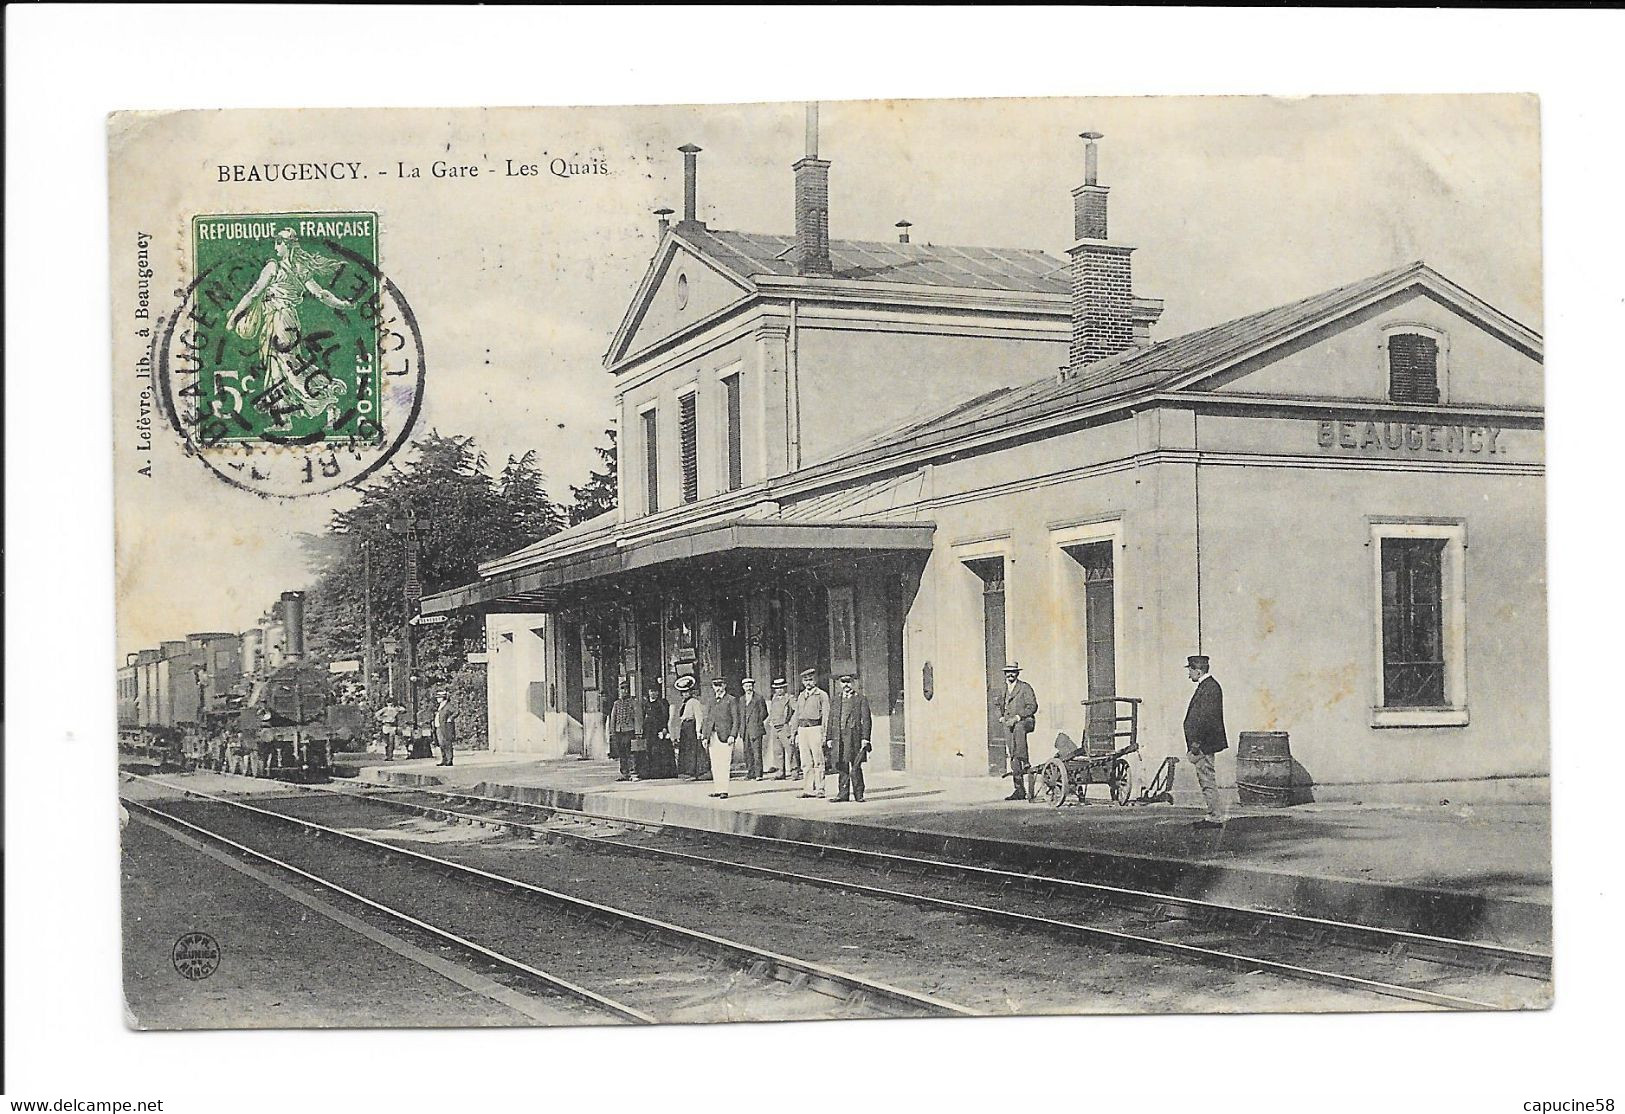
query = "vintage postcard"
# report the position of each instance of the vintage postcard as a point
(647, 565)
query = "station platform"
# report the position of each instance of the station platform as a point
(1471, 871)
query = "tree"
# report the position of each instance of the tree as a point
(463, 517)
(522, 487)
(597, 495)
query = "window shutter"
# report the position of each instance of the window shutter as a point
(651, 461)
(736, 449)
(688, 445)
(1413, 368)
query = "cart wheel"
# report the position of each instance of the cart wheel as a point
(1122, 781)
(1052, 783)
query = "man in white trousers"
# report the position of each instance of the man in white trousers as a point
(723, 725)
(812, 722)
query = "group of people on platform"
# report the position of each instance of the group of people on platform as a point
(811, 732)
(800, 736)
(445, 730)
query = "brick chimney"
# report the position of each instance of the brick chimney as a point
(812, 205)
(1102, 280)
(691, 180)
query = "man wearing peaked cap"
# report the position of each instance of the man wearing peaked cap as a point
(1205, 735)
(1016, 711)
(753, 710)
(850, 738)
(812, 724)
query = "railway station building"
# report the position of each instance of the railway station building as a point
(918, 462)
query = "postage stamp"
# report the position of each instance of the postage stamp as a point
(293, 365)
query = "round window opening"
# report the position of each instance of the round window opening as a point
(682, 291)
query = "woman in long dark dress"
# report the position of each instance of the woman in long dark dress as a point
(659, 760)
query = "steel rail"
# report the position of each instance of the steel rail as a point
(1112, 937)
(756, 962)
(505, 962)
(1397, 943)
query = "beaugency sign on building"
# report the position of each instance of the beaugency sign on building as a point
(1409, 437)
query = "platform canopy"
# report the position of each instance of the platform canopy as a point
(711, 548)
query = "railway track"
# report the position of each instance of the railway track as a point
(726, 960)
(1431, 958)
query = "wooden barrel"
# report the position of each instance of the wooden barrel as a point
(1264, 768)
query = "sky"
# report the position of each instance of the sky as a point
(1234, 204)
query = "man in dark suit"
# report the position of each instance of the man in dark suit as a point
(753, 706)
(850, 740)
(1205, 735)
(445, 727)
(722, 726)
(1016, 711)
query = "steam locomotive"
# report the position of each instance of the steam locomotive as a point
(248, 704)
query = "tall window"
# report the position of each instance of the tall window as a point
(651, 461)
(1413, 668)
(1413, 368)
(688, 447)
(736, 455)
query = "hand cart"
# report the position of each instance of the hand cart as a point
(1111, 734)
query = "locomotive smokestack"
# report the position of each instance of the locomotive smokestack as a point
(293, 622)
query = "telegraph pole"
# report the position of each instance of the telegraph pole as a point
(414, 594)
(366, 604)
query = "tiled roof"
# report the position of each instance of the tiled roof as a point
(1017, 269)
(1138, 369)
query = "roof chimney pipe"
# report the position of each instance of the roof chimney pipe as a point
(812, 205)
(1089, 199)
(691, 175)
(1102, 277)
(664, 216)
(902, 231)
(1091, 156)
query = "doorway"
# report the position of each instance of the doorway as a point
(574, 701)
(899, 590)
(731, 639)
(991, 572)
(1099, 637)
(809, 633)
(651, 659)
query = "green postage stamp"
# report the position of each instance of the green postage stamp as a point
(291, 356)
(293, 364)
